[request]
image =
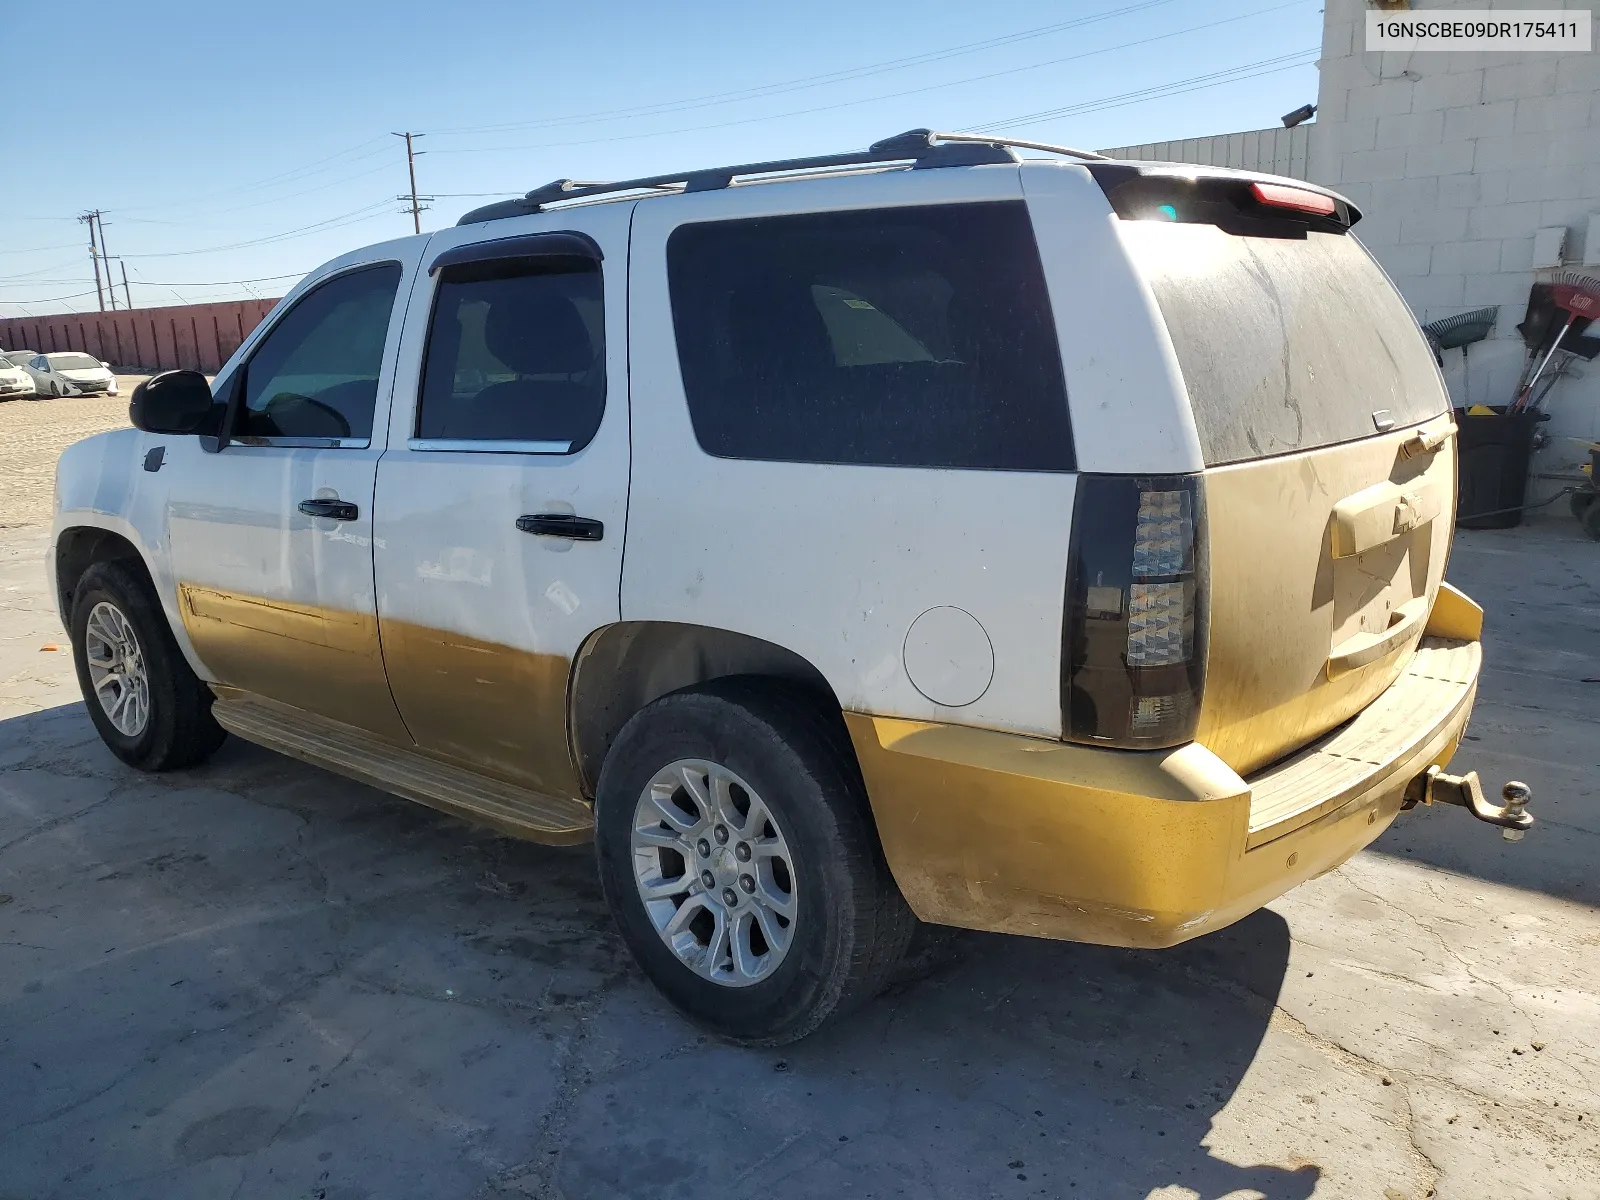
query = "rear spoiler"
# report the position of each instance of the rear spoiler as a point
(1238, 202)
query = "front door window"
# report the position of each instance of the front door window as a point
(315, 375)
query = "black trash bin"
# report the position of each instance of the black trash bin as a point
(1493, 467)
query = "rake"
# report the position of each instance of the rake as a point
(1461, 330)
(1578, 296)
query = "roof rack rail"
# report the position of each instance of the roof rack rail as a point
(921, 147)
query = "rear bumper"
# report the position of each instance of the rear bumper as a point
(1019, 835)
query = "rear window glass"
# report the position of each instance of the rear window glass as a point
(1285, 343)
(897, 337)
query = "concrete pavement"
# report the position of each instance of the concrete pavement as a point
(258, 979)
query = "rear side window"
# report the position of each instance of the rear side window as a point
(516, 354)
(315, 374)
(916, 337)
(1285, 343)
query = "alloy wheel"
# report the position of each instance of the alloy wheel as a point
(715, 872)
(117, 669)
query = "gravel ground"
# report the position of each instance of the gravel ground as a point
(256, 979)
(34, 432)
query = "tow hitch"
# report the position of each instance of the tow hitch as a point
(1433, 786)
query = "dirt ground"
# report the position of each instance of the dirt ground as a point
(33, 433)
(256, 979)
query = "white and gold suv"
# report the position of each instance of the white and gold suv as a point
(1049, 546)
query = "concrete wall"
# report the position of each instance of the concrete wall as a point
(1277, 151)
(199, 337)
(1458, 160)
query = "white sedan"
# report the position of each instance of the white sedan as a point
(68, 373)
(15, 381)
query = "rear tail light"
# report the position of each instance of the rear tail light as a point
(1134, 644)
(1276, 195)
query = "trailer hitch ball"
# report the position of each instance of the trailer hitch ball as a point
(1433, 786)
(1516, 794)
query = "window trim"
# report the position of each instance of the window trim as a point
(572, 245)
(240, 383)
(305, 443)
(488, 446)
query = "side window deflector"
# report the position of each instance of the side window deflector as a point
(533, 245)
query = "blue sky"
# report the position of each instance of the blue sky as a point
(230, 143)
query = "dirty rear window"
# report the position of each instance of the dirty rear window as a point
(1285, 343)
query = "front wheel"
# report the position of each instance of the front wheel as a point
(739, 858)
(149, 707)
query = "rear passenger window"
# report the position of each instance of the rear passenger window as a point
(516, 354)
(315, 374)
(917, 337)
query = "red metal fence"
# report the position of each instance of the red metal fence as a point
(199, 337)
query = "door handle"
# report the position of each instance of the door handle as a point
(333, 510)
(564, 525)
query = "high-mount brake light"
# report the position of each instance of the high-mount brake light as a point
(1277, 195)
(1134, 648)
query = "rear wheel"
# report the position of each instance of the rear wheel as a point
(1581, 501)
(149, 707)
(740, 861)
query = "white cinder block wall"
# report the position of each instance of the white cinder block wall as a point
(1277, 151)
(1458, 160)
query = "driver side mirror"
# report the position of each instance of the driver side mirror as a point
(175, 402)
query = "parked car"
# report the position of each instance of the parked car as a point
(68, 373)
(15, 381)
(1053, 547)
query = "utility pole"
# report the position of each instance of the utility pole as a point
(413, 198)
(94, 256)
(105, 254)
(126, 295)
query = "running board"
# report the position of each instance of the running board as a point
(512, 810)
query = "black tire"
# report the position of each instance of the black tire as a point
(1581, 501)
(180, 730)
(851, 925)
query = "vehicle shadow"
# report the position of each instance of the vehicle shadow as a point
(258, 979)
(1017, 1068)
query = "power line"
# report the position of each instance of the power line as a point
(811, 81)
(223, 282)
(51, 300)
(222, 212)
(293, 175)
(42, 249)
(1177, 87)
(350, 218)
(625, 137)
(185, 282)
(33, 275)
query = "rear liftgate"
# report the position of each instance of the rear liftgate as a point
(1258, 608)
